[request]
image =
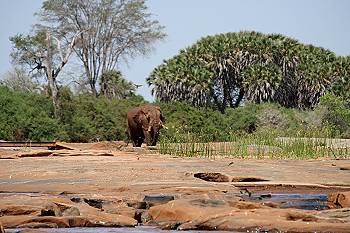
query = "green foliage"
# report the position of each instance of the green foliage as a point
(206, 124)
(341, 87)
(225, 69)
(261, 81)
(258, 146)
(258, 131)
(29, 116)
(26, 116)
(115, 86)
(336, 115)
(99, 118)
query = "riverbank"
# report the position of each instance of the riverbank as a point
(107, 185)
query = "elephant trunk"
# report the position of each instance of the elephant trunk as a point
(152, 133)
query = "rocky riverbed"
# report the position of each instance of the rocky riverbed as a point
(110, 185)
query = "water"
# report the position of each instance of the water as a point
(291, 200)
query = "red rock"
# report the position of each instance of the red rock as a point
(19, 210)
(186, 210)
(340, 199)
(268, 220)
(218, 215)
(42, 153)
(81, 153)
(44, 221)
(31, 231)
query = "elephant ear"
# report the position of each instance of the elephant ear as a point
(146, 112)
(161, 116)
(141, 118)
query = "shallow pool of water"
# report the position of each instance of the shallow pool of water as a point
(292, 200)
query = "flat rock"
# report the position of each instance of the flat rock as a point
(47, 211)
(208, 214)
(263, 220)
(35, 153)
(340, 199)
(342, 214)
(187, 210)
(48, 221)
(19, 210)
(81, 153)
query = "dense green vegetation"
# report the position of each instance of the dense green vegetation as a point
(228, 69)
(29, 116)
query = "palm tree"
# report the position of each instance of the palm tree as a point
(114, 86)
(226, 69)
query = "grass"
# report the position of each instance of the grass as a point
(257, 145)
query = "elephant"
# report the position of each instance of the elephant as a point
(144, 123)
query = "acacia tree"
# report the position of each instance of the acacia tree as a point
(111, 30)
(43, 57)
(19, 80)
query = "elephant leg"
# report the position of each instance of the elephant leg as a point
(139, 141)
(154, 138)
(135, 141)
(154, 143)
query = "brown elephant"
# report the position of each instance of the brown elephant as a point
(144, 123)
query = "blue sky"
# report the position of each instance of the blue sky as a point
(320, 22)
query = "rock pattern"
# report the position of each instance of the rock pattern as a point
(339, 199)
(130, 188)
(53, 212)
(201, 214)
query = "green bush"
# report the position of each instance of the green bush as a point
(96, 119)
(335, 115)
(27, 116)
(84, 118)
(206, 124)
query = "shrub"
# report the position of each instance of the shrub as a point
(27, 116)
(336, 115)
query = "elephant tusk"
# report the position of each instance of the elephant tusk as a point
(163, 126)
(149, 129)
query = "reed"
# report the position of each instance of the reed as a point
(263, 145)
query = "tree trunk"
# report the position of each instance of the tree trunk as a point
(239, 98)
(91, 79)
(93, 88)
(51, 76)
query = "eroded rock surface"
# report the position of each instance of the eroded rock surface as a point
(52, 211)
(340, 199)
(127, 188)
(220, 215)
